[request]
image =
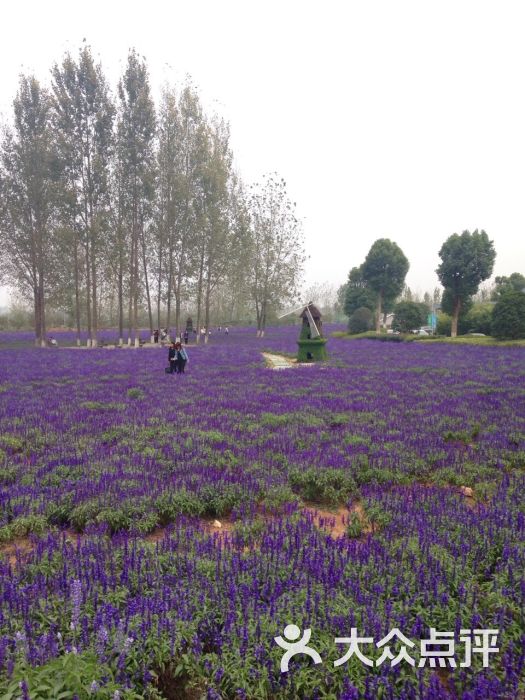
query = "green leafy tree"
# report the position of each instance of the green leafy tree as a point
(514, 283)
(466, 260)
(136, 160)
(358, 293)
(384, 271)
(215, 232)
(477, 320)
(443, 324)
(83, 121)
(508, 316)
(361, 320)
(409, 315)
(277, 253)
(28, 173)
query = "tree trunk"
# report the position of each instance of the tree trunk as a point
(77, 294)
(131, 289)
(199, 297)
(135, 264)
(207, 309)
(455, 317)
(120, 302)
(146, 282)
(94, 341)
(178, 333)
(38, 331)
(42, 309)
(378, 311)
(263, 320)
(88, 295)
(136, 332)
(159, 290)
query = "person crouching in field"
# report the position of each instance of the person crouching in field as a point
(182, 358)
(172, 358)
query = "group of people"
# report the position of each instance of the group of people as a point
(177, 358)
(219, 330)
(163, 334)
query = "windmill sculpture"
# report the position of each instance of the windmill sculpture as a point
(311, 342)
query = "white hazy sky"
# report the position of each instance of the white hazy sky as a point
(401, 119)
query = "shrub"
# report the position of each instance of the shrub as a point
(135, 393)
(84, 513)
(116, 519)
(278, 497)
(170, 505)
(508, 316)
(70, 675)
(409, 315)
(323, 485)
(354, 528)
(8, 475)
(443, 325)
(361, 320)
(377, 516)
(58, 512)
(478, 320)
(23, 526)
(221, 499)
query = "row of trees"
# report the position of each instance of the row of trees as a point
(500, 313)
(112, 200)
(467, 259)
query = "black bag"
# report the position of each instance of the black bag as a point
(167, 370)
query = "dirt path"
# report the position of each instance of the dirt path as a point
(277, 361)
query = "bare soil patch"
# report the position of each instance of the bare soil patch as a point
(335, 522)
(18, 548)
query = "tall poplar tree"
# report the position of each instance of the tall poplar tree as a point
(277, 253)
(27, 198)
(83, 120)
(136, 156)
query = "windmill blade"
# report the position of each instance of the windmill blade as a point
(314, 331)
(293, 311)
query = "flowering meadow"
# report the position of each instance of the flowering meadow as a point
(116, 583)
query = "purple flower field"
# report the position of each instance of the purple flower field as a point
(114, 583)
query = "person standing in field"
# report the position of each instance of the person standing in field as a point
(172, 358)
(182, 358)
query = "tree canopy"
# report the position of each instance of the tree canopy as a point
(277, 254)
(466, 260)
(357, 293)
(508, 316)
(361, 320)
(384, 271)
(408, 316)
(513, 283)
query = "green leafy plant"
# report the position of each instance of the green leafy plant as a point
(323, 485)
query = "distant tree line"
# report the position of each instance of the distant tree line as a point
(377, 288)
(111, 201)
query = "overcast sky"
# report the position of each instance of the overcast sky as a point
(403, 120)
